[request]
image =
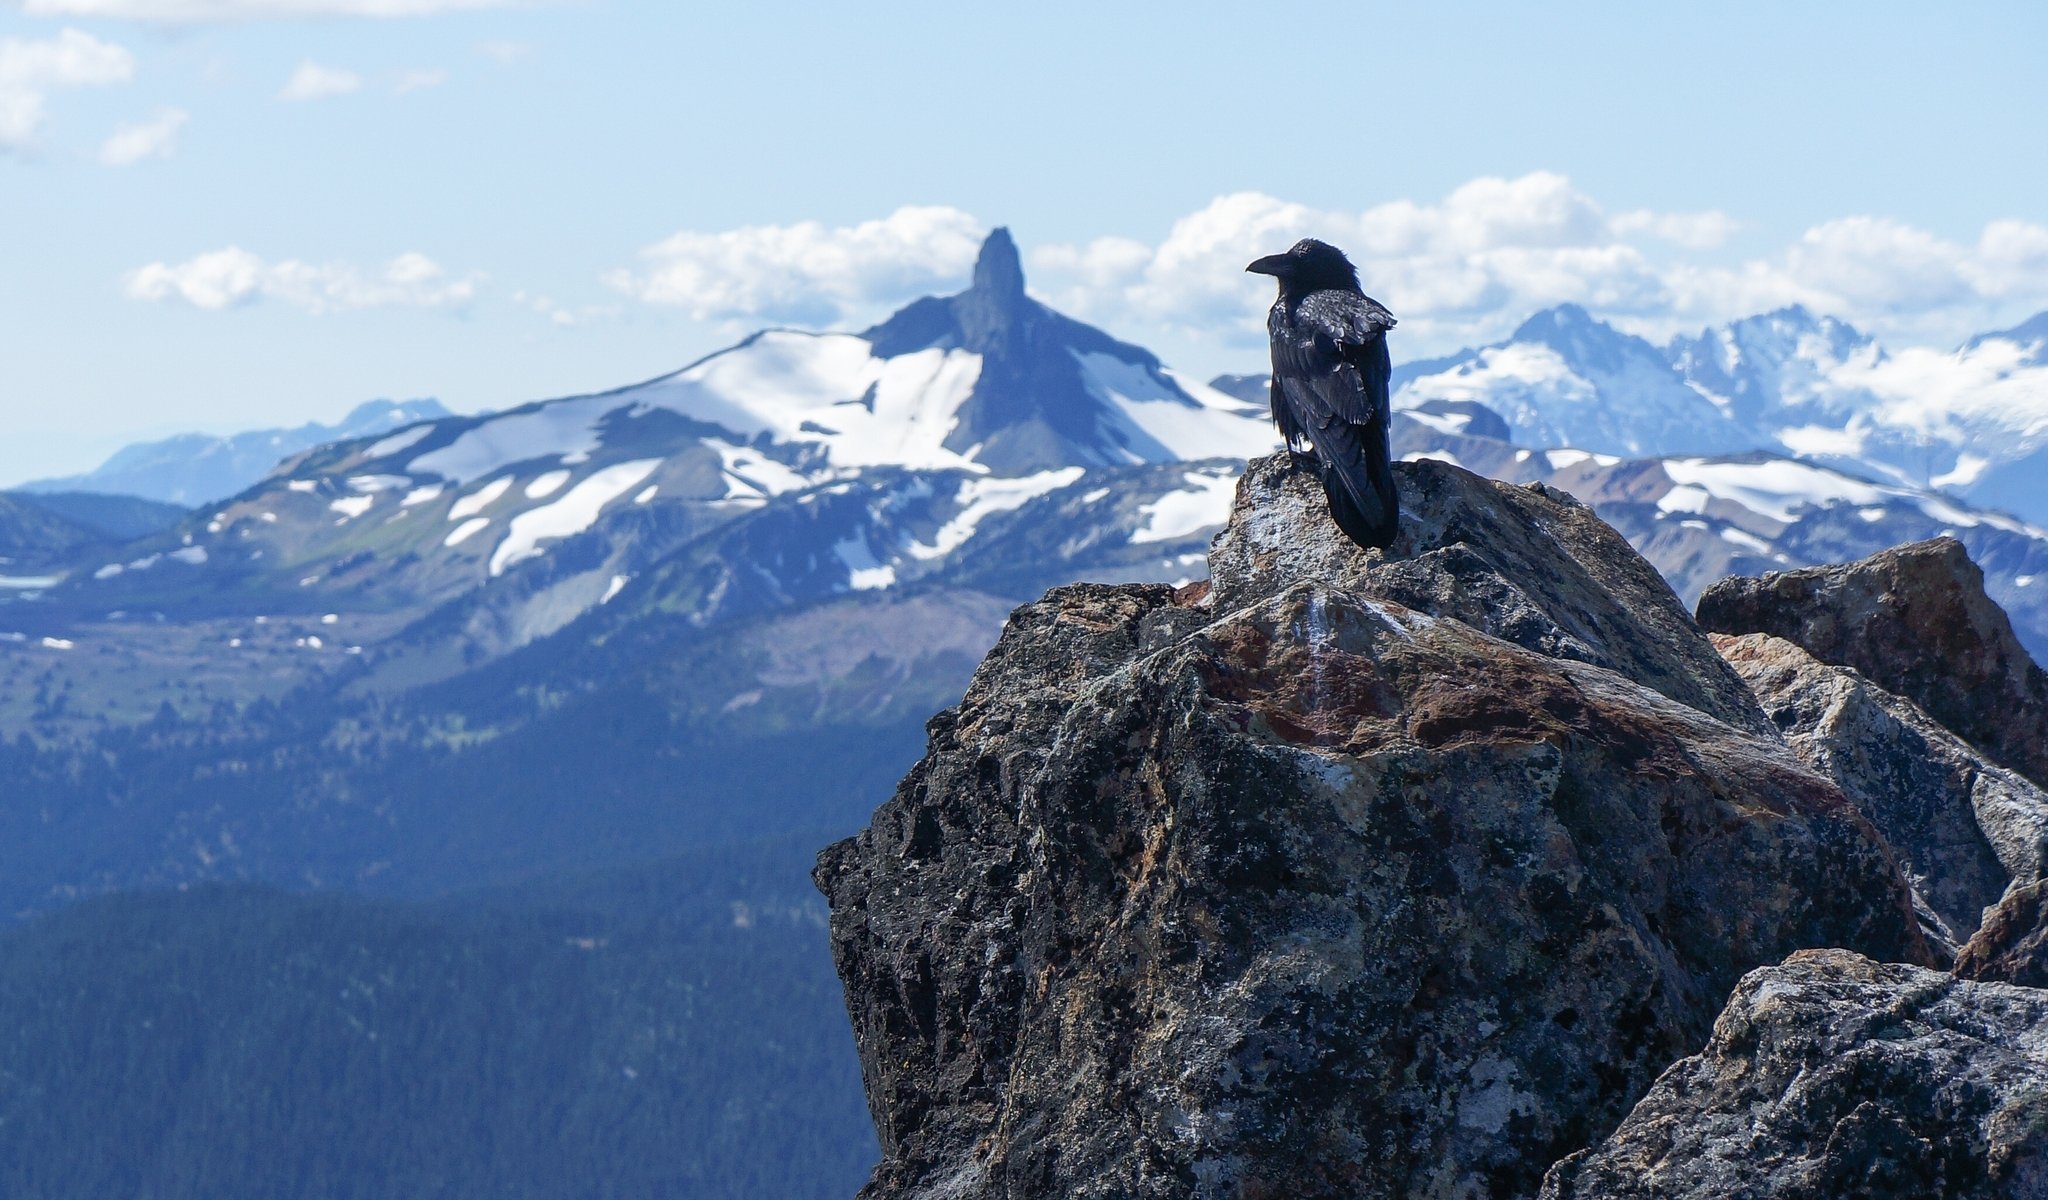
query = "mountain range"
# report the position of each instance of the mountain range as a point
(193, 468)
(1970, 423)
(458, 654)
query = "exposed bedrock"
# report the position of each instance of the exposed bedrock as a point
(1915, 621)
(1963, 828)
(1833, 1076)
(1364, 874)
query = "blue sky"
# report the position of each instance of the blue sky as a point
(218, 214)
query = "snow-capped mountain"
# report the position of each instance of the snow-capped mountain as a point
(825, 463)
(1566, 379)
(1972, 422)
(1700, 518)
(195, 468)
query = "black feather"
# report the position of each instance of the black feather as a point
(1331, 379)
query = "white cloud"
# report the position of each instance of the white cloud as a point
(1460, 270)
(1466, 268)
(233, 276)
(807, 272)
(188, 12)
(31, 68)
(1694, 231)
(154, 138)
(314, 82)
(1492, 247)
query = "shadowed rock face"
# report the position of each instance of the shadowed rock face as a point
(1360, 875)
(2012, 945)
(1833, 1076)
(1916, 622)
(1963, 828)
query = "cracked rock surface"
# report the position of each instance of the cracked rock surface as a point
(1834, 1076)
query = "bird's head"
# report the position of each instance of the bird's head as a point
(1309, 266)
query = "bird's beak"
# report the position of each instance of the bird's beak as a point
(1272, 264)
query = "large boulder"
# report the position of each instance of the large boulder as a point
(1916, 622)
(1964, 828)
(1299, 889)
(1833, 1076)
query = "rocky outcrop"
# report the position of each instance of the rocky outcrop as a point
(1915, 621)
(1529, 565)
(2012, 944)
(1834, 1076)
(1359, 875)
(1964, 829)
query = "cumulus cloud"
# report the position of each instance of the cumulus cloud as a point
(1465, 268)
(1460, 270)
(807, 272)
(232, 277)
(154, 138)
(193, 12)
(314, 82)
(1694, 231)
(31, 68)
(1493, 246)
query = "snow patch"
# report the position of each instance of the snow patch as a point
(367, 484)
(827, 389)
(403, 440)
(352, 506)
(1159, 417)
(751, 475)
(1969, 467)
(465, 531)
(479, 500)
(546, 485)
(981, 498)
(1745, 539)
(1684, 498)
(575, 512)
(420, 495)
(1204, 504)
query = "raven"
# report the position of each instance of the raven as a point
(1330, 380)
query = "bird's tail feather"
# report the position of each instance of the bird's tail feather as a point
(1359, 482)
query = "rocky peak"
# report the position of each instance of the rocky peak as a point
(1914, 620)
(995, 317)
(1352, 874)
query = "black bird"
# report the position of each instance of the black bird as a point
(1330, 380)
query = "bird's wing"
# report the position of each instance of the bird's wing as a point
(1337, 363)
(1291, 431)
(1333, 374)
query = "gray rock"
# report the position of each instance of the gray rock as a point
(1964, 828)
(1832, 1076)
(2012, 944)
(1529, 565)
(1296, 890)
(1916, 622)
